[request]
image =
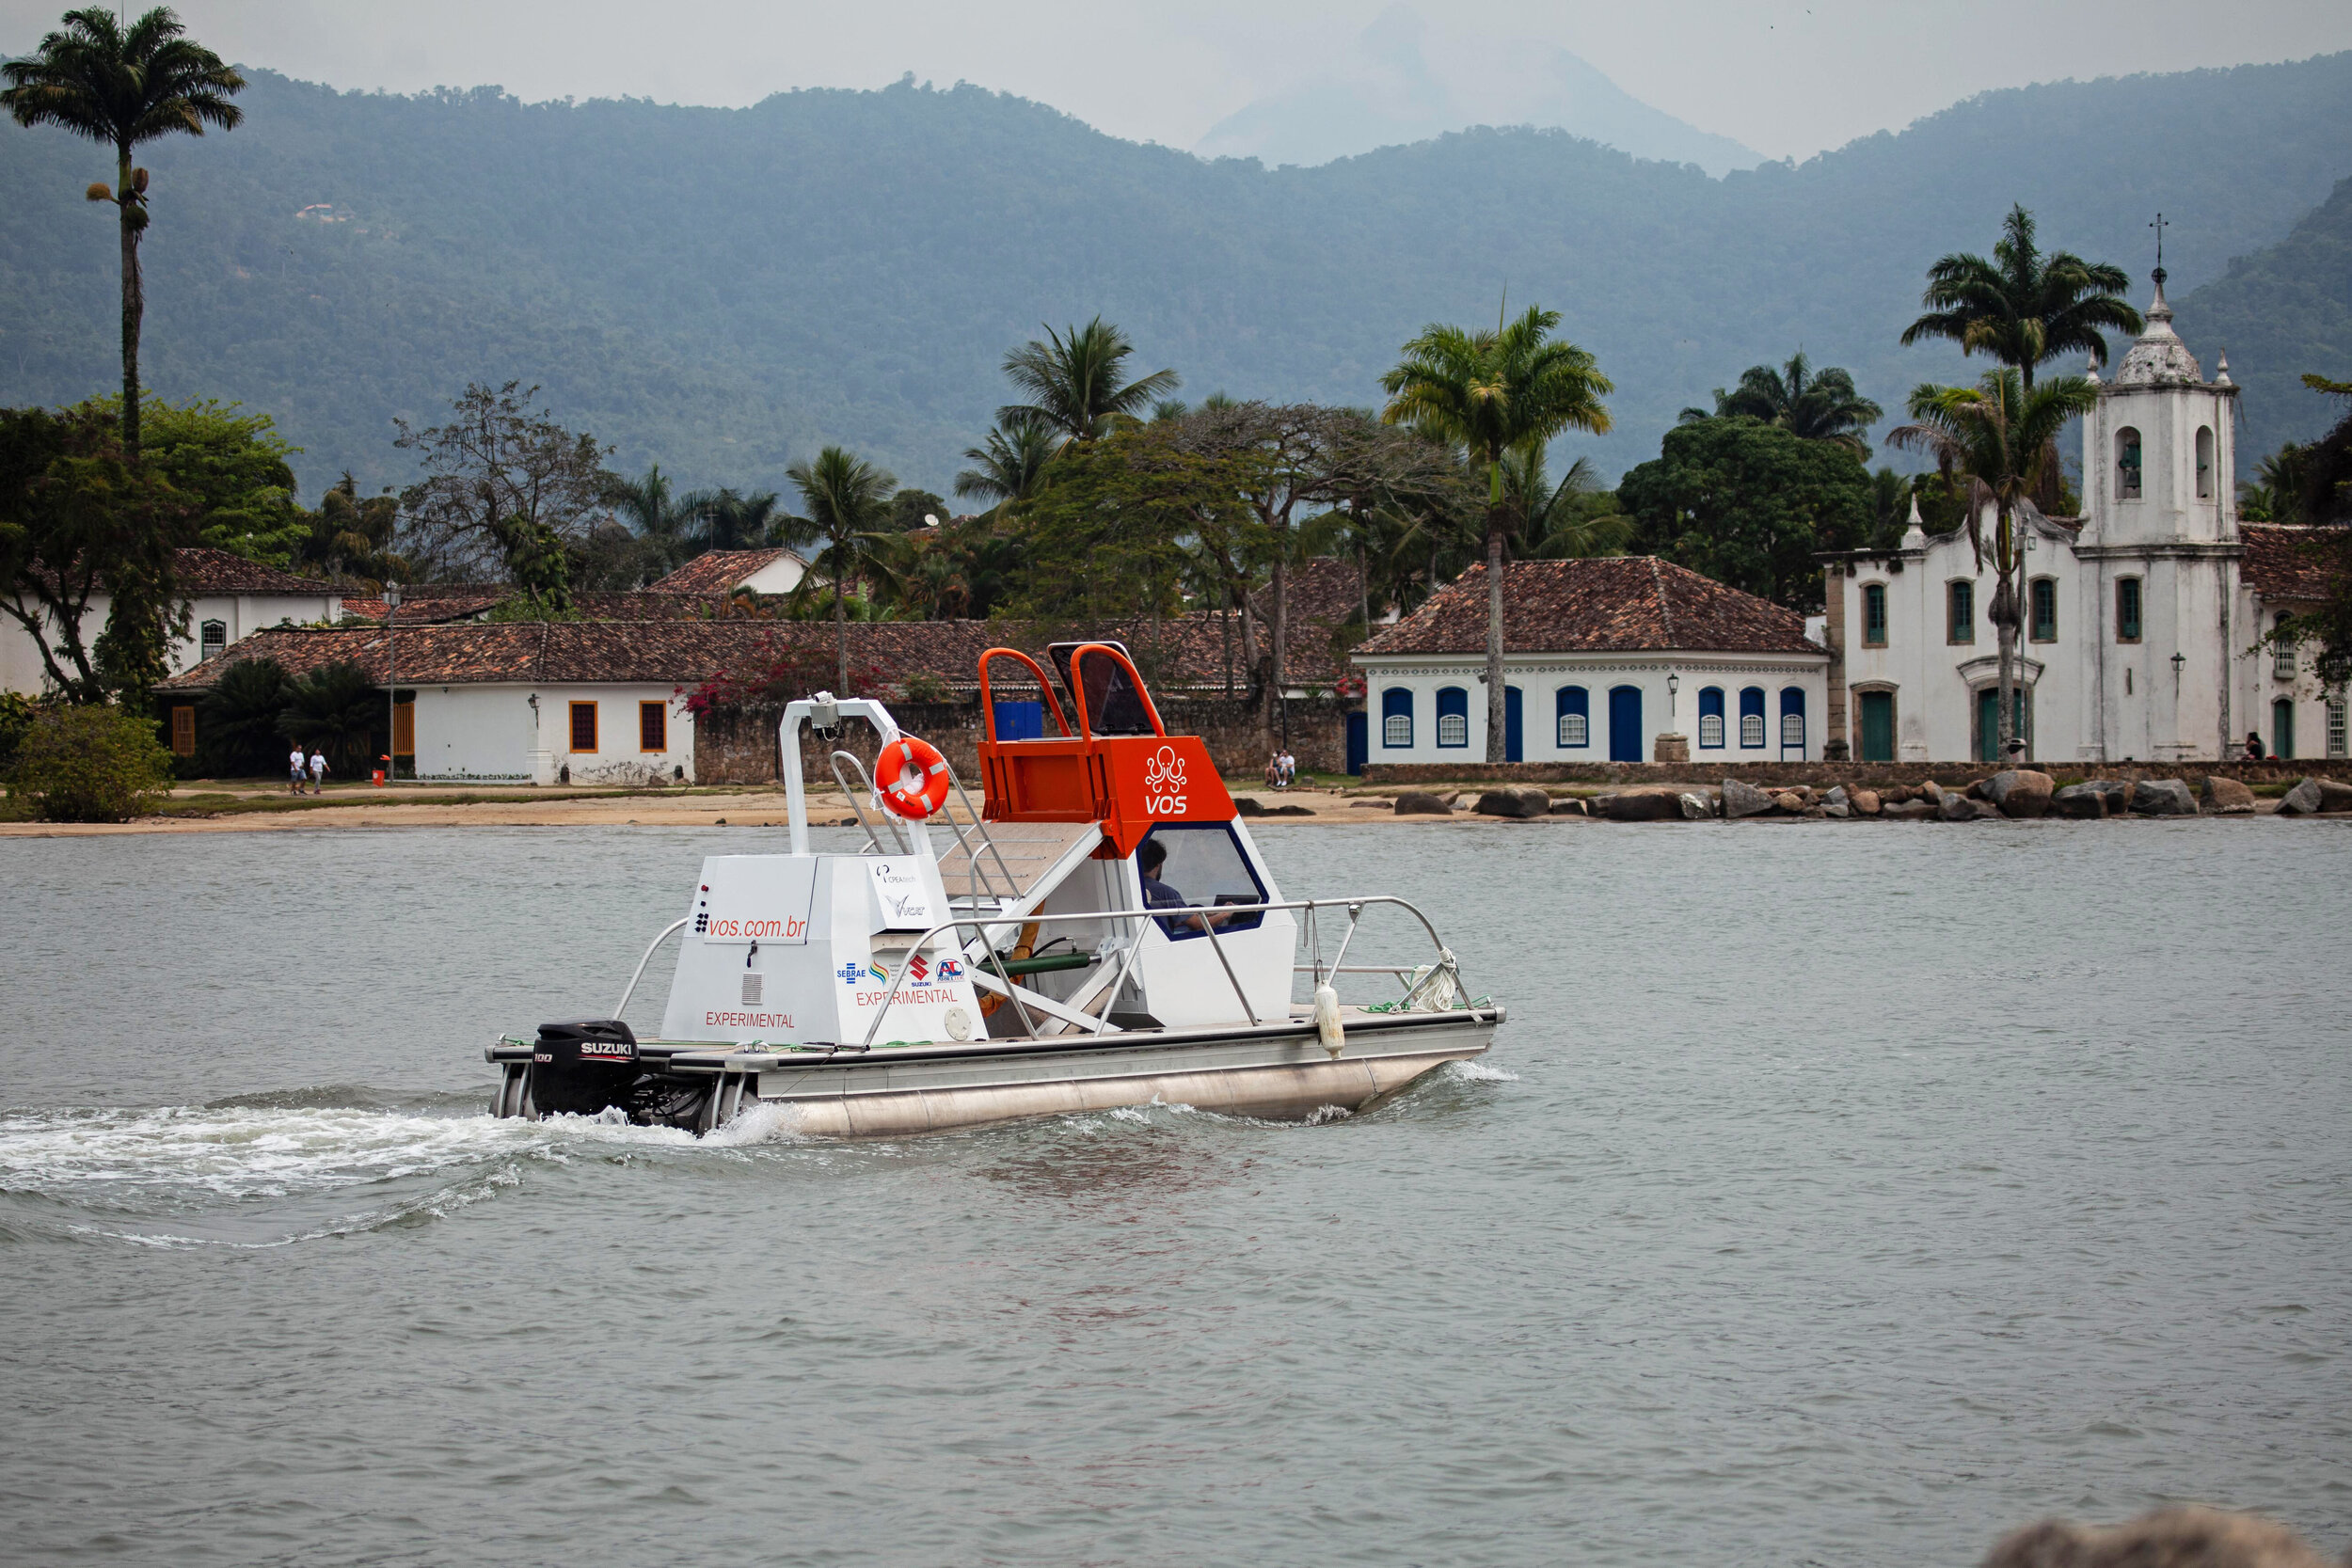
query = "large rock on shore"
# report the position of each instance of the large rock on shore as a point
(1864, 801)
(2021, 792)
(1695, 807)
(2334, 795)
(1640, 805)
(1908, 811)
(2085, 803)
(1515, 800)
(2226, 796)
(2163, 798)
(1931, 792)
(1744, 799)
(1415, 802)
(1569, 805)
(1956, 807)
(2302, 800)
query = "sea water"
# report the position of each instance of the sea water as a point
(1837, 1194)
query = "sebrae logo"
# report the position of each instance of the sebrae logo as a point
(1164, 784)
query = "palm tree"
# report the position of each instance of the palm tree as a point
(1490, 393)
(1560, 522)
(1012, 464)
(847, 498)
(2002, 437)
(662, 521)
(1812, 405)
(730, 520)
(123, 87)
(1073, 382)
(2023, 308)
(2275, 494)
(335, 708)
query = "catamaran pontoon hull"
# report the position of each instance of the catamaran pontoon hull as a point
(1277, 1071)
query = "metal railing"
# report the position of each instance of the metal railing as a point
(1209, 916)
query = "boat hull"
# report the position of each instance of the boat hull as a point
(1278, 1071)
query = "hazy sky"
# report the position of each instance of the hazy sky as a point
(1789, 79)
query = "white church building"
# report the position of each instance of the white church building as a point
(2142, 618)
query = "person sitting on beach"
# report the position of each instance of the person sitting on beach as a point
(2253, 745)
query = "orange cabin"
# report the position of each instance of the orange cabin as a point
(1119, 767)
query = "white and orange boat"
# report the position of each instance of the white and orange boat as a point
(1103, 932)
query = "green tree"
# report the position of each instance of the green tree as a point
(1075, 381)
(847, 499)
(335, 708)
(2319, 480)
(1489, 393)
(501, 480)
(1010, 468)
(1570, 520)
(92, 763)
(2275, 494)
(80, 521)
(230, 466)
(237, 734)
(349, 538)
(910, 507)
(731, 520)
(123, 87)
(1813, 406)
(1748, 504)
(2002, 437)
(665, 523)
(2023, 309)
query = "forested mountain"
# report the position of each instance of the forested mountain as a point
(2280, 312)
(720, 290)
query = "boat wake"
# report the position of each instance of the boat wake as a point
(273, 1169)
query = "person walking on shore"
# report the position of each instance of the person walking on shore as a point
(296, 768)
(318, 771)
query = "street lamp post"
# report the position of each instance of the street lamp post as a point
(391, 682)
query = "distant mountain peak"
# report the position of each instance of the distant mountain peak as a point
(1401, 81)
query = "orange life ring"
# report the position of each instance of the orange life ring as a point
(917, 776)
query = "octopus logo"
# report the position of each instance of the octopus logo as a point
(1164, 784)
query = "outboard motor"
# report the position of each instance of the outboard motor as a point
(582, 1068)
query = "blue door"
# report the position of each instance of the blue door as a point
(1358, 742)
(1624, 723)
(1513, 748)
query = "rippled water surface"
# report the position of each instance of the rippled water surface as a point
(1835, 1195)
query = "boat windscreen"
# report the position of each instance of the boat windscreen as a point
(1114, 706)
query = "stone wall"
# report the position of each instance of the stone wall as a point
(740, 746)
(1822, 775)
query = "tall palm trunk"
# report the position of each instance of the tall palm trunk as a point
(1495, 749)
(131, 210)
(841, 616)
(1275, 698)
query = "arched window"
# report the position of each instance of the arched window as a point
(1574, 706)
(1751, 718)
(2127, 463)
(2044, 597)
(2204, 461)
(1452, 716)
(1792, 721)
(1397, 716)
(2281, 651)
(212, 636)
(1959, 611)
(1711, 718)
(1874, 615)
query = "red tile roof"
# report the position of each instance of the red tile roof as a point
(1618, 603)
(202, 570)
(717, 572)
(2293, 563)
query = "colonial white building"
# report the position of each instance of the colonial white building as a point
(2141, 617)
(1603, 660)
(228, 596)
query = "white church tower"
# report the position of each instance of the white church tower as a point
(2157, 579)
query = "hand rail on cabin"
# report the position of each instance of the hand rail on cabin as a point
(667, 931)
(1044, 686)
(980, 925)
(1078, 687)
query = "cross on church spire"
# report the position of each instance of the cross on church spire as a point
(2159, 226)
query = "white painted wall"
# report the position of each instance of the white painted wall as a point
(780, 576)
(240, 615)
(1540, 676)
(491, 731)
